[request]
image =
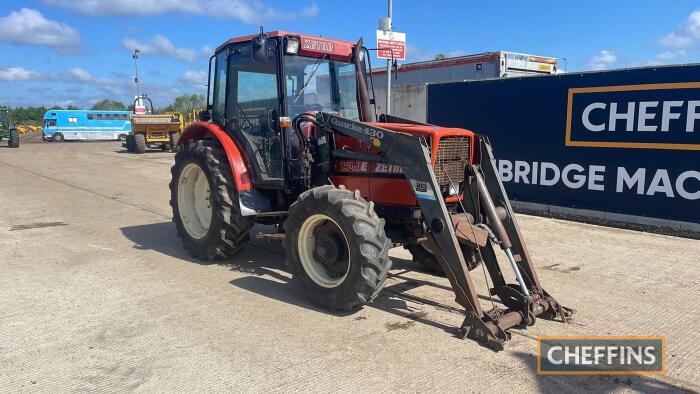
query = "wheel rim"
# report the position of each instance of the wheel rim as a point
(324, 251)
(194, 201)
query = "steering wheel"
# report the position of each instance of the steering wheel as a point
(246, 120)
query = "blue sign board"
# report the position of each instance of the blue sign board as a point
(622, 141)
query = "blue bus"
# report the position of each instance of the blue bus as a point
(66, 125)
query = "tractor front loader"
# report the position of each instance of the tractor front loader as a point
(343, 184)
(487, 222)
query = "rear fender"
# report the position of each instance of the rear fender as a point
(205, 130)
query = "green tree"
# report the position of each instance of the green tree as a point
(187, 103)
(109, 105)
(23, 115)
(440, 56)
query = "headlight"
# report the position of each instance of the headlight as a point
(292, 45)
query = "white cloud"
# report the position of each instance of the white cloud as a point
(416, 54)
(673, 40)
(194, 78)
(687, 35)
(604, 59)
(17, 74)
(160, 46)
(75, 76)
(670, 55)
(28, 26)
(245, 11)
(647, 63)
(125, 7)
(255, 11)
(78, 74)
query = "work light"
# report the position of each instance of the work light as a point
(292, 45)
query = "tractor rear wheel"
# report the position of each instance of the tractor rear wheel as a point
(13, 142)
(427, 259)
(336, 247)
(139, 143)
(174, 137)
(205, 204)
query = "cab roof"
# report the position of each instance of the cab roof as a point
(310, 45)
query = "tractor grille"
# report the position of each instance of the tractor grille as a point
(452, 157)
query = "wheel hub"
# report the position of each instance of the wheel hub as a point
(329, 249)
(194, 201)
(324, 251)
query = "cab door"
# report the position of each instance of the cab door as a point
(253, 107)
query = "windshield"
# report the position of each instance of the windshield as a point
(320, 85)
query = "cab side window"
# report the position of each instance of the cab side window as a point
(219, 104)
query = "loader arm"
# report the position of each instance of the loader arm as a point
(525, 300)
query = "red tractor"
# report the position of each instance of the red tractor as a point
(291, 139)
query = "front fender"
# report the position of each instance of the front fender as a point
(206, 130)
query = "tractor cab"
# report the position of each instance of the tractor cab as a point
(7, 130)
(4, 118)
(258, 83)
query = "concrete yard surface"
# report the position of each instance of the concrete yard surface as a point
(98, 295)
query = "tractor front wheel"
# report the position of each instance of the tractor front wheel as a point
(205, 203)
(13, 142)
(130, 143)
(174, 137)
(336, 247)
(139, 143)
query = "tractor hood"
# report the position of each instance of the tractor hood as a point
(433, 135)
(429, 132)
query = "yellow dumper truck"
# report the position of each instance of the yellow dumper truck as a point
(155, 131)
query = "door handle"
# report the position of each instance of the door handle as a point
(270, 121)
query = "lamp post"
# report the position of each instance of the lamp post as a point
(135, 56)
(387, 26)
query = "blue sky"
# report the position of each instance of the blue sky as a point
(60, 52)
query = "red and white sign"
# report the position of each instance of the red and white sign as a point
(391, 44)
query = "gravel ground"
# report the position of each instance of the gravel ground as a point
(96, 294)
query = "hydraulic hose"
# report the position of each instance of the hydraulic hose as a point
(497, 226)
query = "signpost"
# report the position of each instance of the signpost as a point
(391, 45)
